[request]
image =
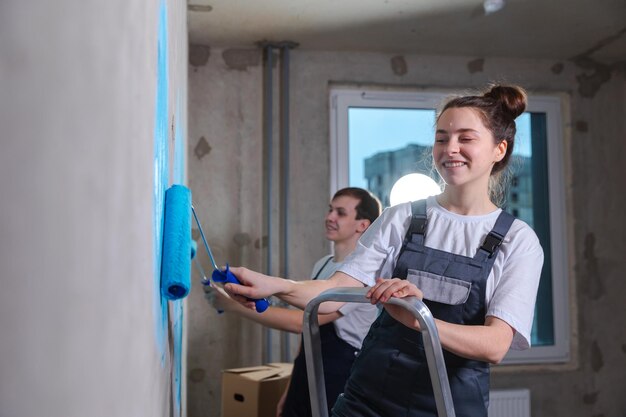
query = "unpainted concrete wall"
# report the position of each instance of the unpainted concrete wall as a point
(226, 177)
(226, 113)
(78, 320)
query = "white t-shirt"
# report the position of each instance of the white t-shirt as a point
(512, 283)
(356, 319)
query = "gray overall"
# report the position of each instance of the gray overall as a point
(390, 376)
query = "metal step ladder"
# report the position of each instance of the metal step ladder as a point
(432, 345)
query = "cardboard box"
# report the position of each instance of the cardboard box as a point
(254, 391)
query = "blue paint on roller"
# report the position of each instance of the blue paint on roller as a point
(176, 260)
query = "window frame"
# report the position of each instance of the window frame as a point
(341, 99)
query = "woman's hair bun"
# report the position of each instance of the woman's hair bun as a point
(513, 99)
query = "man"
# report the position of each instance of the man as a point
(350, 213)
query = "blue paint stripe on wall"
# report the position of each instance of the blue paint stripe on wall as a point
(178, 319)
(179, 144)
(178, 350)
(161, 177)
(161, 183)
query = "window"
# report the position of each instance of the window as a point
(379, 136)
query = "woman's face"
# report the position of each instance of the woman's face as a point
(465, 150)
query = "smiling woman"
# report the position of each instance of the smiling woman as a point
(475, 138)
(465, 151)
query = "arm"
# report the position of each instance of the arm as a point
(275, 317)
(373, 253)
(296, 293)
(488, 342)
(281, 403)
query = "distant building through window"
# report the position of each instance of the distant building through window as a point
(383, 169)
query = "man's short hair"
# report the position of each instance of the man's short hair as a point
(369, 206)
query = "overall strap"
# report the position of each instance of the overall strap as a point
(414, 237)
(417, 228)
(494, 238)
(319, 271)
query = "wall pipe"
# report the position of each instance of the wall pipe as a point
(284, 189)
(268, 103)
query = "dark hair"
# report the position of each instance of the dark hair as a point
(369, 206)
(498, 107)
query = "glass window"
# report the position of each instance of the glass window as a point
(377, 137)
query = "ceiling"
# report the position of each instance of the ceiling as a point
(553, 29)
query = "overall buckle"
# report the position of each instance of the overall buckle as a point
(492, 243)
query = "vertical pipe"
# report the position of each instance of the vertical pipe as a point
(268, 105)
(268, 132)
(285, 174)
(284, 134)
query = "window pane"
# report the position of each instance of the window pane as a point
(386, 144)
(528, 199)
(537, 168)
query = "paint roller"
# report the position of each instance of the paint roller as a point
(175, 259)
(224, 276)
(178, 246)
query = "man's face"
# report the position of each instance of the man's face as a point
(341, 222)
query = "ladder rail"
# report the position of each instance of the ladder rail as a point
(432, 346)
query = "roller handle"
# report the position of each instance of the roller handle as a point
(226, 276)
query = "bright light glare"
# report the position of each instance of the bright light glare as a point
(492, 6)
(413, 187)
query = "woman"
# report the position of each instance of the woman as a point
(476, 267)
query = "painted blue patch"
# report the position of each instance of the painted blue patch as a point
(161, 183)
(161, 178)
(178, 313)
(179, 145)
(178, 355)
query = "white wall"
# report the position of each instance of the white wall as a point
(77, 116)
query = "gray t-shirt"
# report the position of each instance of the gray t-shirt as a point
(356, 319)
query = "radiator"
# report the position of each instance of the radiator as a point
(509, 403)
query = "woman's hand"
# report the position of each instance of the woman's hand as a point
(399, 288)
(384, 289)
(253, 285)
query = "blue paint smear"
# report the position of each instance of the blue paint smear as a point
(179, 145)
(178, 355)
(161, 178)
(178, 319)
(161, 183)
